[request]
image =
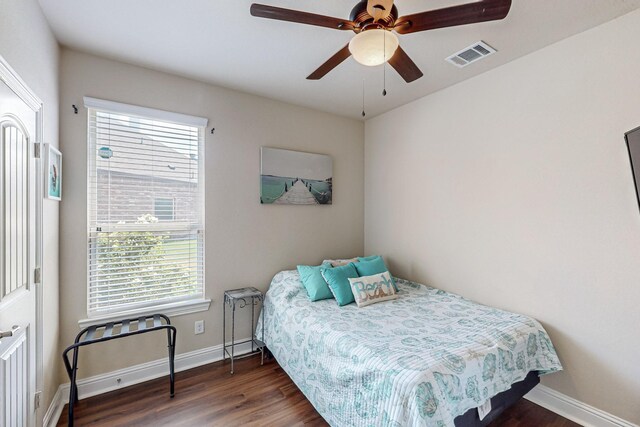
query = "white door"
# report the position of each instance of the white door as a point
(18, 250)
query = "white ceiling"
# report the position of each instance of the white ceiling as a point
(221, 43)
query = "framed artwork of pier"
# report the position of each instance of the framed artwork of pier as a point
(295, 178)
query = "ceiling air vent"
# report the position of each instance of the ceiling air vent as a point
(471, 54)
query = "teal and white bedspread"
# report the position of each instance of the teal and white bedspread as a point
(419, 360)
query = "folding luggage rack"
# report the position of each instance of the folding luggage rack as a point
(112, 330)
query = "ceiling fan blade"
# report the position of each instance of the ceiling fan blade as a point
(379, 9)
(281, 14)
(485, 10)
(407, 69)
(330, 64)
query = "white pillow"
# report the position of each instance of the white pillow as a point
(371, 289)
(340, 262)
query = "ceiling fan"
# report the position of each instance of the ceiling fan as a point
(376, 21)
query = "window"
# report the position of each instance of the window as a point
(163, 208)
(145, 208)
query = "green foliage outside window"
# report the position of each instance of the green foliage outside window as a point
(144, 265)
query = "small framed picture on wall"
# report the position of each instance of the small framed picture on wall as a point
(53, 175)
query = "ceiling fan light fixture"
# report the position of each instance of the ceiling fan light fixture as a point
(373, 47)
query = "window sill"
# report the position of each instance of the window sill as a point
(171, 309)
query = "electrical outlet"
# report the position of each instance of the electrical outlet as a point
(199, 327)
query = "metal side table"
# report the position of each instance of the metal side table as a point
(241, 298)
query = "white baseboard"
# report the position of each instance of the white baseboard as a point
(573, 409)
(126, 377)
(55, 408)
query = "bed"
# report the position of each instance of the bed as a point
(427, 358)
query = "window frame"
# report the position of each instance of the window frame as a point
(171, 306)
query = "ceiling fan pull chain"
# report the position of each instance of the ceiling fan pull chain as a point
(384, 79)
(384, 67)
(363, 113)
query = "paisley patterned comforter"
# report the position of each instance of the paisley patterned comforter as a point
(419, 360)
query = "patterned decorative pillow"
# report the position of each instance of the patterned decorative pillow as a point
(340, 262)
(372, 289)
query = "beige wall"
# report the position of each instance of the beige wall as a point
(247, 243)
(514, 189)
(27, 44)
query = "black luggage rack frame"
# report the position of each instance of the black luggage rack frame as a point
(87, 336)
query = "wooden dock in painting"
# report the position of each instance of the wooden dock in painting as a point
(298, 194)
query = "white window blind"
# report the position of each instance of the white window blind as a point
(145, 208)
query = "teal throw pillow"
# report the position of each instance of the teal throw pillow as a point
(338, 280)
(317, 288)
(368, 266)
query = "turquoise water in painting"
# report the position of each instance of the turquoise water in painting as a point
(272, 187)
(321, 190)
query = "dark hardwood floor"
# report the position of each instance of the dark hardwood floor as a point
(254, 396)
